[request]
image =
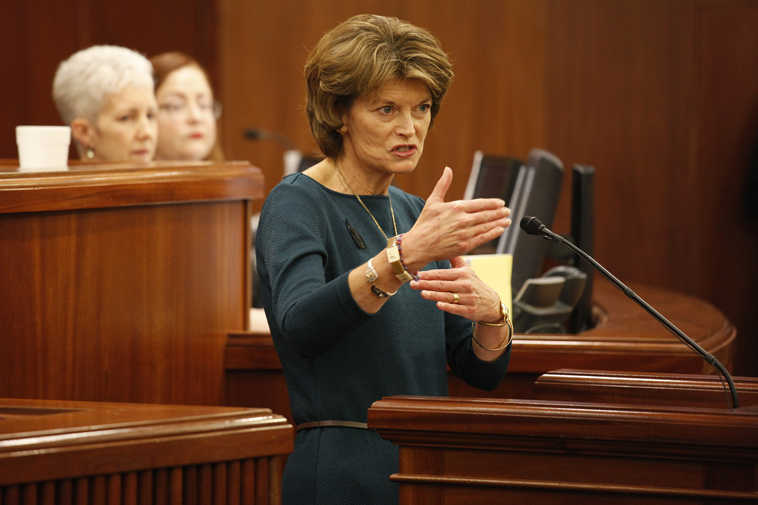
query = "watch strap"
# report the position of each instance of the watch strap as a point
(393, 258)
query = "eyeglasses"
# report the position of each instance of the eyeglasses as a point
(181, 108)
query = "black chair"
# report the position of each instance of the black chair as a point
(492, 176)
(544, 304)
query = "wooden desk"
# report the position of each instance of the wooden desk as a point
(485, 451)
(626, 338)
(58, 452)
(121, 282)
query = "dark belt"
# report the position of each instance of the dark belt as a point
(331, 424)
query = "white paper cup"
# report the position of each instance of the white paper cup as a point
(43, 147)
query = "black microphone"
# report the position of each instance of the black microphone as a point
(533, 226)
(260, 134)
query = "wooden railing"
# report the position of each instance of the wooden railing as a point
(54, 452)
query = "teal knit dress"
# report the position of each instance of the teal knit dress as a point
(337, 359)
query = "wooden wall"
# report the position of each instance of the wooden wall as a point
(36, 35)
(661, 96)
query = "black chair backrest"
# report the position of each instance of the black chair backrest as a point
(535, 193)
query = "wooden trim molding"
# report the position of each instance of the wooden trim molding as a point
(119, 184)
(660, 388)
(562, 487)
(66, 452)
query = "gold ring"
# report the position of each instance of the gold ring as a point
(456, 299)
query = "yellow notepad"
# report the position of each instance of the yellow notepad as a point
(495, 270)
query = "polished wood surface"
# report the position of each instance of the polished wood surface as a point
(483, 451)
(91, 452)
(643, 388)
(94, 186)
(625, 338)
(120, 283)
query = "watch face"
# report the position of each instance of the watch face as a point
(393, 258)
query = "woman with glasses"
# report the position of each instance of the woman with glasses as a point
(187, 111)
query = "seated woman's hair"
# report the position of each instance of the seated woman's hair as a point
(84, 80)
(360, 55)
(165, 63)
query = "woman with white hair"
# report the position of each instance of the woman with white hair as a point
(105, 93)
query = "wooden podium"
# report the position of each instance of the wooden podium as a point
(481, 451)
(62, 452)
(121, 282)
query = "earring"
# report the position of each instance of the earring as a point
(90, 153)
(342, 130)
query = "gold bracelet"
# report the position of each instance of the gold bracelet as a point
(505, 343)
(371, 277)
(506, 320)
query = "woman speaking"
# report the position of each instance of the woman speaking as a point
(363, 285)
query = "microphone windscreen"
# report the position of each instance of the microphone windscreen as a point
(532, 225)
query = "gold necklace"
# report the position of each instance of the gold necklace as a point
(392, 212)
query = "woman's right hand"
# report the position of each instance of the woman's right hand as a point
(448, 229)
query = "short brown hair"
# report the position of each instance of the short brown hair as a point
(163, 65)
(359, 56)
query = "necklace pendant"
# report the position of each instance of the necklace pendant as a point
(359, 242)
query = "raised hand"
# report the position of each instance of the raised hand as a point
(448, 229)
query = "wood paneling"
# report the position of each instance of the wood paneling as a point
(489, 105)
(120, 284)
(661, 96)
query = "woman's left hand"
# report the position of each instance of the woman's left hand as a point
(460, 291)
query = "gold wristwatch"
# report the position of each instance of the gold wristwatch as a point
(393, 258)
